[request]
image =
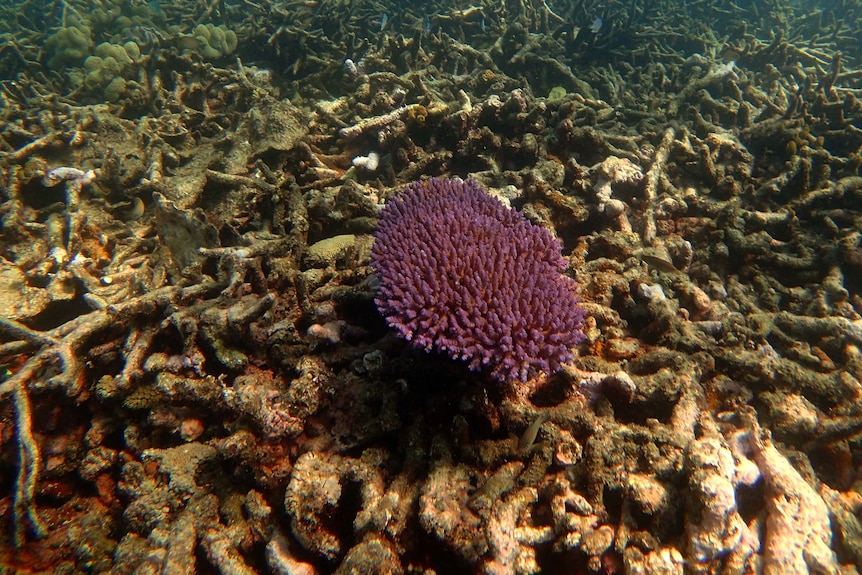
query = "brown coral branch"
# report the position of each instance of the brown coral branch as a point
(30, 461)
(26, 151)
(653, 177)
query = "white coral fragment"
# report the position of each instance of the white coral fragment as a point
(715, 529)
(614, 170)
(798, 530)
(369, 162)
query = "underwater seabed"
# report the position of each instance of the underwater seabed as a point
(195, 375)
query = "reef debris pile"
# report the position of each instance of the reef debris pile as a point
(194, 375)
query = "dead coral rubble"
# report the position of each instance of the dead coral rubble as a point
(194, 377)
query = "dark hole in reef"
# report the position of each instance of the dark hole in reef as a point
(211, 267)
(833, 465)
(348, 507)
(439, 388)
(551, 561)
(357, 307)
(107, 361)
(665, 523)
(170, 341)
(59, 490)
(542, 515)
(256, 558)
(613, 502)
(572, 233)
(210, 475)
(835, 348)
(39, 196)
(356, 447)
(639, 410)
(855, 447)
(277, 159)
(8, 454)
(57, 313)
(37, 281)
(229, 237)
(749, 500)
(431, 372)
(642, 520)
(428, 551)
(555, 391)
(203, 564)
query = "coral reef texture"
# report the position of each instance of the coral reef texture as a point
(462, 273)
(361, 287)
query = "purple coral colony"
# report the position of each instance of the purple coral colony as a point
(450, 287)
(462, 273)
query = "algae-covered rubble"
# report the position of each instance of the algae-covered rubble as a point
(195, 377)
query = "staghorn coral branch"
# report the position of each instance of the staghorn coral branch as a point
(135, 349)
(30, 460)
(25, 152)
(20, 331)
(653, 177)
(378, 122)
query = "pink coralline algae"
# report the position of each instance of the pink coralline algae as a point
(461, 273)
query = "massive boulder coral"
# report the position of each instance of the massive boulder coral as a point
(461, 273)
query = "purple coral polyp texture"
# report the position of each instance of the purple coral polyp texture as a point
(462, 273)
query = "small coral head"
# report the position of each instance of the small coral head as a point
(461, 273)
